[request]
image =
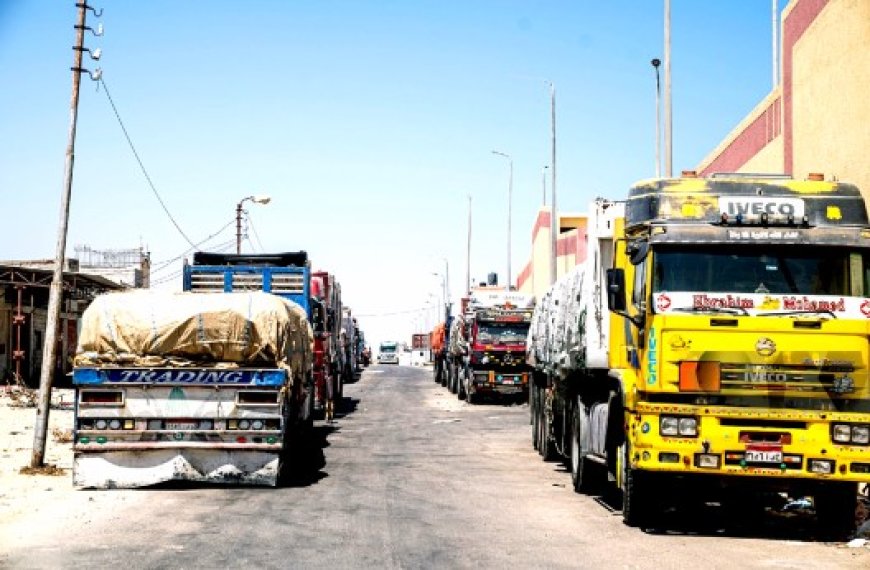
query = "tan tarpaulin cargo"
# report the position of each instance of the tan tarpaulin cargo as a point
(152, 328)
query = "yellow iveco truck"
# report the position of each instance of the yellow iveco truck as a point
(713, 343)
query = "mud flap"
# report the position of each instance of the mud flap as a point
(129, 469)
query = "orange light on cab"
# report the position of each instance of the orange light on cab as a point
(699, 376)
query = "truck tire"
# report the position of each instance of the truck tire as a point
(470, 395)
(835, 505)
(636, 493)
(547, 447)
(580, 466)
(533, 415)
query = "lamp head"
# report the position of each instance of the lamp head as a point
(261, 199)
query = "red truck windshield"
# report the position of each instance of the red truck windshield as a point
(502, 333)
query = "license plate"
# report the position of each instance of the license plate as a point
(757, 456)
(180, 425)
(508, 381)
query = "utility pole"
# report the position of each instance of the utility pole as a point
(446, 290)
(554, 224)
(669, 159)
(775, 40)
(656, 63)
(510, 192)
(49, 349)
(468, 252)
(544, 185)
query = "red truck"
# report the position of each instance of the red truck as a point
(326, 321)
(497, 323)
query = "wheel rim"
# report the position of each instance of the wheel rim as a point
(575, 452)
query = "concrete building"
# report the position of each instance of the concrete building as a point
(817, 120)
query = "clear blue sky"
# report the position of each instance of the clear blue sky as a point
(368, 123)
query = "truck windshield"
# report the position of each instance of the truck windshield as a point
(494, 333)
(761, 269)
(388, 347)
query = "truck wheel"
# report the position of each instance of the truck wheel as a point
(533, 415)
(547, 447)
(835, 505)
(531, 403)
(579, 465)
(470, 395)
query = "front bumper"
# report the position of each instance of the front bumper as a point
(748, 442)
(499, 381)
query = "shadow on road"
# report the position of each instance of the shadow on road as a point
(305, 459)
(765, 516)
(346, 407)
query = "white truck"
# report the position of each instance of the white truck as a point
(190, 386)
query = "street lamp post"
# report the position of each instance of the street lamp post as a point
(656, 63)
(544, 185)
(510, 192)
(239, 210)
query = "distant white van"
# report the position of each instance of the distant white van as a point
(388, 353)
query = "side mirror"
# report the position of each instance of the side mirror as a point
(616, 290)
(637, 251)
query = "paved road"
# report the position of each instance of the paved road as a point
(410, 478)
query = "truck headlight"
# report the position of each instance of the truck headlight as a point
(669, 426)
(861, 434)
(841, 433)
(689, 426)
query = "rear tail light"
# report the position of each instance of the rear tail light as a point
(254, 424)
(103, 424)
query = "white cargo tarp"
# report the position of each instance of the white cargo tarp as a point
(152, 328)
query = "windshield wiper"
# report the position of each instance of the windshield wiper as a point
(799, 312)
(718, 310)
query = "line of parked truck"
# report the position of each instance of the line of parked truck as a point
(219, 383)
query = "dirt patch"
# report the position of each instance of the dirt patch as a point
(47, 469)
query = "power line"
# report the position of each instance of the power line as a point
(253, 247)
(253, 229)
(142, 166)
(391, 314)
(160, 265)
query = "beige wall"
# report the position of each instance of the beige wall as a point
(768, 160)
(831, 111)
(826, 101)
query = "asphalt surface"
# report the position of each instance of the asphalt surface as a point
(407, 477)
